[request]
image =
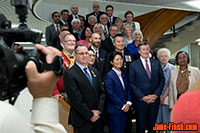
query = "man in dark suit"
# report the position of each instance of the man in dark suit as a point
(96, 12)
(99, 52)
(83, 87)
(64, 17)
(147, 81)
(107, 44)
(109, 12)
(74, 15)
(53, 31)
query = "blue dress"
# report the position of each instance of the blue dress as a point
(163, 112)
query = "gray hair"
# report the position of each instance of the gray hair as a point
(163, 50)
(75, 20)
(78, 45)
(92, 16)
(138, 31)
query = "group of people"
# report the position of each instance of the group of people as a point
(110, 70)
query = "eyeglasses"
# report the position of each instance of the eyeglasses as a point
(91, 55)
(82, 53)
(70, 41)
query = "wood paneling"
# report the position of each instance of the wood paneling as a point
(155, 24)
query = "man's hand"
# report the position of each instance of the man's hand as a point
(146, 99)
(153, 98)
(95, 116)
(162, 100)
(42, 84)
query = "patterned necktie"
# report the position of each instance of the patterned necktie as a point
(110, 20)
(105, 32)
(148, 69)
(88, 75)
(57, 28)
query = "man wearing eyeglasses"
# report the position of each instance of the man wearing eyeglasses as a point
(83, 87)
(68, 41)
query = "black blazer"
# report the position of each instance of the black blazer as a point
(51, 36)
(82, 95)
(113, 22)
(99, 63)
(107, 45)
(70, 18)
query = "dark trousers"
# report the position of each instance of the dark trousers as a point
(146, 116)
(117, 122)
(89, 128)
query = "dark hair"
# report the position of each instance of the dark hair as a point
(109, 6)
(143, 43)
(112, 56)
(52, 15)
(118, 35)
(78, 45)
(128, 12)
(83, 37)
(64, 25)
(64, 10)
(176, 58)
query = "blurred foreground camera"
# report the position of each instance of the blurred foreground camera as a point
(13, 59)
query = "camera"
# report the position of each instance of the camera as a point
(12, 64)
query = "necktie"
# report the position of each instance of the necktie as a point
(148, 69)
(57, 28)
(110, 21)
(97, 58)
(133, 26)
(88, 75)
(105, 32)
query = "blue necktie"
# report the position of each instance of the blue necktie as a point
(88, 75)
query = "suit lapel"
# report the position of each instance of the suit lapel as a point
(117, 78)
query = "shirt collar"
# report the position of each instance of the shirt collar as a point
(117, 71)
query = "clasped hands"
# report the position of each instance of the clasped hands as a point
(150, 98)
(95, 116)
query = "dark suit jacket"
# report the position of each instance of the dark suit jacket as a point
(107, 45)
(92, 13)
(127, 59)
(140, 83)
(51, 36)
(113, 22)
(82, 95)
(117, 96)
(99, 63)
(70, 18)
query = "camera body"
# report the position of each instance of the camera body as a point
(12, 65)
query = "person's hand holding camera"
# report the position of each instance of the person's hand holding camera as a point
(42, 84)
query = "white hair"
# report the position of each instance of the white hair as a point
(75, 20)
(163, 50)
(92, 16)
(138, 31)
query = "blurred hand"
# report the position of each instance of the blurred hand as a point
(57, 96)
(42, 84)
(146, 99)
(153, 98)
(95, 116)
(126, 108)
(162, 99)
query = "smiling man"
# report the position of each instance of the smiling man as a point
(83, 87)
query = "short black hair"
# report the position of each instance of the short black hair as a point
(109, 6)
(128, 12)
(142, 43)
(118, 35)
(176, 58)
(112, 56)
(64, 10)
(52, 15)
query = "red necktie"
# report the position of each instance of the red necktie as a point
(148, 69)
(57, 28)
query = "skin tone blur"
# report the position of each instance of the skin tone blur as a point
(113, 31)
(74, 9)
(128, 33)
(82, 55)
(117, 64)
(129, 18)
(96, 40)
(119, 43)
(104, 19)
(98, 29)
(182, 61)
(144, 53)
(88, 34)
(76, 25)
(137, 37)
(92, 21)
(109, 11)
(96, 7)
(56, 18)
(69, 43)
(65, 16)
(119, 25)
(91, 57)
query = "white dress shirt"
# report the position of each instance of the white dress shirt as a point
(144, 63)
